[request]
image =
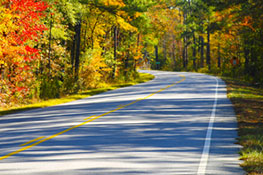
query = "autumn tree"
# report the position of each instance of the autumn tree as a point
(20, 30)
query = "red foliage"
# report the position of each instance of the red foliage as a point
(19, 55)
(29, 12)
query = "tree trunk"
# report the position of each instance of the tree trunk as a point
(208, 58)
(253, 62)
(115, 38)
(126, 65)
(173, 50)
(138, 45)
(202, 51)
(49, 47)
(219, 57)
(164, 49)
(185, 53)
(157, 58)
(246, 52)
(194, 53)
(73, 48)
(78, 40)
(85, 36)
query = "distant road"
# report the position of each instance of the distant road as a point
(178, 123)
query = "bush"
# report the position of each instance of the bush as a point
(50, 88)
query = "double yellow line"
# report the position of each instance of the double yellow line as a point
(39, 140)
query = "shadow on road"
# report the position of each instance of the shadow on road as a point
(163, 134)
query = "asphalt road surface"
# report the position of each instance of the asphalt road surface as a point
(178, 123)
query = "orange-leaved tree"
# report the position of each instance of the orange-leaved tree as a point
(20, 28)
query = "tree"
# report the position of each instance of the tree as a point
(20, 29)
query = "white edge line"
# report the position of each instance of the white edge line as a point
(206, 149)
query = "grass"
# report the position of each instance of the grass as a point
(143, 77)
(248, 104)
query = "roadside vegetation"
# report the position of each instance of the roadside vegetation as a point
(248, 104)
(140, 78)
(53, 48)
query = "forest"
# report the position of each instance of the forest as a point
(51, 48)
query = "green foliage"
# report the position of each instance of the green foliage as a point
(78, 50)
(212, 32)
(50, 88)
(141, 78)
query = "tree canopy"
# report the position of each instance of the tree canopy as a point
(50, 48)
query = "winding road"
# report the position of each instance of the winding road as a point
(178, 123)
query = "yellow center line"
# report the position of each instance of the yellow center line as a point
(32, 141)
(120, 106)
(89, 119)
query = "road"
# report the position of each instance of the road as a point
(178, 123)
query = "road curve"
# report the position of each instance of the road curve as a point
(178, 123)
